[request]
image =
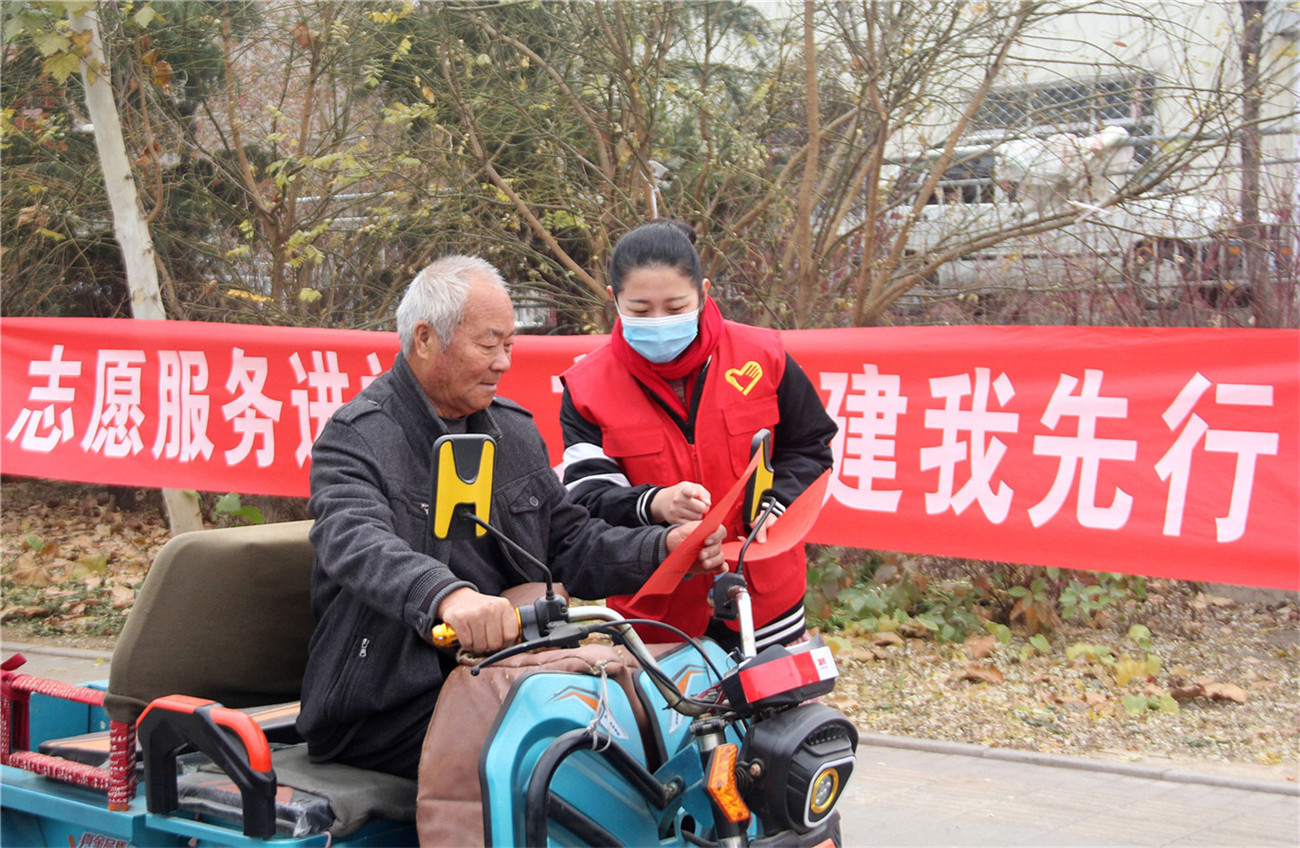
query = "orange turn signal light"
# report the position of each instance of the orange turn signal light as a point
(721, 784)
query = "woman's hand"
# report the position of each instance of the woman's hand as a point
(710, 559)
(761, 537)
(681, 503)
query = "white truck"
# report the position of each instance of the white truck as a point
(1158, 248)
(1107, 97)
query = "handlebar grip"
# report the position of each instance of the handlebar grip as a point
(444, 635)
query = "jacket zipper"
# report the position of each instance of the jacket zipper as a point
(365, 645)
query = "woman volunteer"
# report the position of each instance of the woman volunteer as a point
(661, 418)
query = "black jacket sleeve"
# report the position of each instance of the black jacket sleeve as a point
(596, 480)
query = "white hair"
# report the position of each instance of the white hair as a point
(437, 297)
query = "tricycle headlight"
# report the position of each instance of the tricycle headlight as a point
(804, 757)
(825, 789)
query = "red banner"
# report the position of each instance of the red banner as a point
(1159, 452)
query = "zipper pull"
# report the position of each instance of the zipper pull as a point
(365, 644)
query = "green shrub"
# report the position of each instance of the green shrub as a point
(949, 599)
(231, 509)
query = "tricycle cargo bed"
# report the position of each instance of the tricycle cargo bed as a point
(222, 621)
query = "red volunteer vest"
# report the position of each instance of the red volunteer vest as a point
(738, 400)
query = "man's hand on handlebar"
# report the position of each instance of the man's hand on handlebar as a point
(710, 559)
(483, 623)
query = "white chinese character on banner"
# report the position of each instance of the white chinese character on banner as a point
(43, 429)
(376, 368)
(115, 422)
(983, 458)
(867, 408)
(1176, 465)
(182, 407)
(252, 413)
(1083, 453)
(316, 403)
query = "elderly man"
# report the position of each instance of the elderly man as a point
(381, 582)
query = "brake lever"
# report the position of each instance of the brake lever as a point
(562, 635)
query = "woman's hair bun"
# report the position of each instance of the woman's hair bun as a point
(681, 225)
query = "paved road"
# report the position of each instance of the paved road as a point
(909, 792)
(913, 792)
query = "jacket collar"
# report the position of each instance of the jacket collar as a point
(412, 396)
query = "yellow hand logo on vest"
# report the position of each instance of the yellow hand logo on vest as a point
(745, 377)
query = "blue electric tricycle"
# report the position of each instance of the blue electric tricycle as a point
(591, 737)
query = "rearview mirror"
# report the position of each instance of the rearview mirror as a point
(759, 485)
(462, 486)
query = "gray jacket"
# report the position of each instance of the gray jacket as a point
(379, 576)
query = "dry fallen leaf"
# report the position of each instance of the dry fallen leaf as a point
(1209, 689)
(859, 653)
(28, 572)
(842, 702)
(25, 612)
(123, 597)
(1187, 692)
(884, 639)
(90, 564)
(82, 542)
(979, 673)
(980, 647)
(1225, 692)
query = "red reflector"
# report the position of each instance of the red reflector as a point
(798, 669)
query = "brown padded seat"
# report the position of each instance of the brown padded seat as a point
(226, 615)
(223, 614)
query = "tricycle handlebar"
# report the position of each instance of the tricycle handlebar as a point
(546, 624)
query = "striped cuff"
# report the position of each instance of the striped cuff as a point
(782, 631)
(643, 505)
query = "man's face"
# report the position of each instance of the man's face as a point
(463, 378)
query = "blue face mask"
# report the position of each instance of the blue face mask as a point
(661, 339)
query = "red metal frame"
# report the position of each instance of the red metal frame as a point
(118, 780)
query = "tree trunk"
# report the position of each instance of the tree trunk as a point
(1254, 251)
(806, 279)
(129, 225)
